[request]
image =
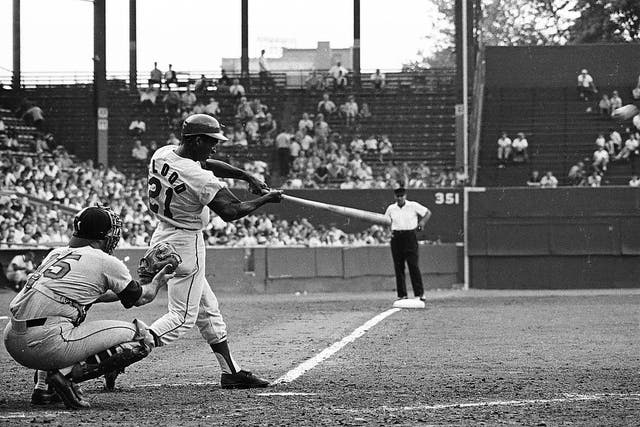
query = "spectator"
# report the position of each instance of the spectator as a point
(378, 79)
(34, 117)
(305, 124)
(224, 82)
(283, 144)
(321, 175)
(337, 71)
(594, 179)
(357, 145)
(173, 140)
(520, 149)
(294, 148)
(188, 100)
(534, 179)
(630, 149)
(321, 130)
(614, 144)
(252, 128)
(600, 159)
(615, 101)
(244, 112)
(326, 106)
(19, 268)
(365, 113)
(137, 127)
(238, 137)
(170, 77)
(604, 105)
(548, 180)
(635, 181)
(212, 108)
(171, 104)
(350, 110)
(600, 141)
(461, 177)
(140, 153)
(577, 174)
(504, 149)
(259, 109)
(155, 76)
(201, 86)
(268, 129)
(341, 81)
(236, 89)
(265, 75)
(148, 98)
(586, 86)
(40, 145)
(314, 81)
(385, 147)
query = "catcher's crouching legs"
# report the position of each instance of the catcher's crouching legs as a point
(113, 360)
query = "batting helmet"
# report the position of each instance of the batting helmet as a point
(98, 223)
(202, 124)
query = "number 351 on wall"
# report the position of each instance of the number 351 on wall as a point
(442, 198)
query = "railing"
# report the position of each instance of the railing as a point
(290, 79)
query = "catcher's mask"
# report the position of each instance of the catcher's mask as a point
(98, 223)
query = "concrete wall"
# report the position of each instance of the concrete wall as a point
(321, 269)
(555, 238)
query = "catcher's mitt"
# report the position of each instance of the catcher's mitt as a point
(155, 259)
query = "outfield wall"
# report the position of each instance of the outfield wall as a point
(320, 269)
(522, 238)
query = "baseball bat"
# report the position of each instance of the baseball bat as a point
(374, 217)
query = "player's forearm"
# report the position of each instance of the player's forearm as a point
(149, 293)
(225, 170)
(239, 210)
(108, 296)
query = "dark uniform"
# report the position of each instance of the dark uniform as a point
(407, 217)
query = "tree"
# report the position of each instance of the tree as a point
(501, 23)
(611, 21)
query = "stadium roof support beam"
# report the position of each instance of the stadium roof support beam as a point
(133, 47)
(15, 83)
(356, 44)
(244, 57)
(100, 80)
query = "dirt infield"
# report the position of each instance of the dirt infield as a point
(493, 357)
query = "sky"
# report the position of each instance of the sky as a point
(194, 35)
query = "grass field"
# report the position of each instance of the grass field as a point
(470, 358)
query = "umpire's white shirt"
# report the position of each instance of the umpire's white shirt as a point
(405, 217)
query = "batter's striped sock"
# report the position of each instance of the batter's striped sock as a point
(41, 380)
(227, 364)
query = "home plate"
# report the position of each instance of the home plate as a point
(409, 303)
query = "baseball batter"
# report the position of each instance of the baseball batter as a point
(184, 186)
(47, 331)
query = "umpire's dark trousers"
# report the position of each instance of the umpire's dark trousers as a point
(404, 248)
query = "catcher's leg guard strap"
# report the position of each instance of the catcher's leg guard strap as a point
(111, 359)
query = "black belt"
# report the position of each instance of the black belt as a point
(399, 232)
(35, 322)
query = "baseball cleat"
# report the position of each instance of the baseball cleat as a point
(242, 379)
(44, 397)
(110, 379)
(70, 394)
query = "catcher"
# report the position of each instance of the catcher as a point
(47, 331)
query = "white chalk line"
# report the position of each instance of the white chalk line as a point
(286, 393)
(334, 348)
(47, 414)
(566, 399)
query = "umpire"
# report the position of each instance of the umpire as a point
(407, 218)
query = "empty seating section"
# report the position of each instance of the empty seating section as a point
(558, 127)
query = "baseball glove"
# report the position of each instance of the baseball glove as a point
(155, 259)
